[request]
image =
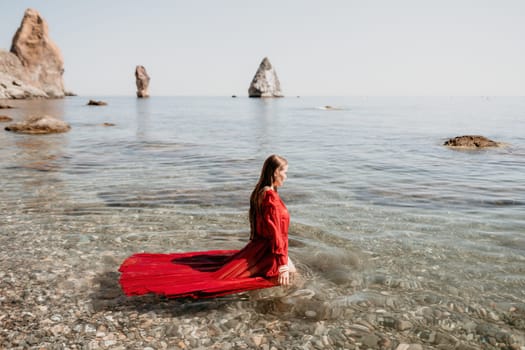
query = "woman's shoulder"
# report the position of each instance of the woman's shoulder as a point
(266, 189)
(269, 194)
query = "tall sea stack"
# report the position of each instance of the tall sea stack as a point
(39, 55)
(265, 82)
(142, 81)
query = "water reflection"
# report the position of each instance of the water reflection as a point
(262, 111)
(39, 153)
(38, 158)
(26, 109)
(143, 118)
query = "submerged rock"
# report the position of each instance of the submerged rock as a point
(331, 108)
(471, 141)
(96, 103)
(39, 125)
(265, 82)
(5, 118)
(142, 80)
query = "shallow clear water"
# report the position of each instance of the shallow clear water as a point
(371, 190)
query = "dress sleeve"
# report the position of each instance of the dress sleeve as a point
(273, 224)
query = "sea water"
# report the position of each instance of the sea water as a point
(374, 196)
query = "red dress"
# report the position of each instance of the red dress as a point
(215, 272)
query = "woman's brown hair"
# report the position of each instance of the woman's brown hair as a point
(271, 164)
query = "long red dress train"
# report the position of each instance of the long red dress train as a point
(216, 272)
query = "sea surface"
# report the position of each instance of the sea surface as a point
(374, 196)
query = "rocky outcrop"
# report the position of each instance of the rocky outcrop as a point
(13, 79)
(265, 82)
(34, 67)
(97, 103)
(331, 108)
(142, 81)
(39, 125)
(471, 141)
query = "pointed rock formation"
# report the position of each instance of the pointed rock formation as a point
(39, 54)
(34, 67)
(142, 81)
(265, 82)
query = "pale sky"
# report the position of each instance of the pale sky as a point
(320, 48)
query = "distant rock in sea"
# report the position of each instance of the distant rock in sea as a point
(142, 80)
(265, 82)
(97, 103)
(34, 68)
(5, 118)
(471, 141)
(330, 108)
(39, 125)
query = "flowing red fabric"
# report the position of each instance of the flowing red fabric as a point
(215, 272)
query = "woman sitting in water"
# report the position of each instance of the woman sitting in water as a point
(262, 263)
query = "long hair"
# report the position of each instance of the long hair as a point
(271, 164)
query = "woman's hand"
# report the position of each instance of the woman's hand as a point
(284, 278)
(284, 275)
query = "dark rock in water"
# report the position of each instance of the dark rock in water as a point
(234, 96)
(39, 125)
(265, 82)
(5, 118)
(142, 80)
(331, 108)
(471, 141)
(108, 124)
(96, 103)
(2, 106)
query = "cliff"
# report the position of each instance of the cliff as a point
(34, 68)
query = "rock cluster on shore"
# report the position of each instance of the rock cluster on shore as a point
(265, 83)
(34, 66)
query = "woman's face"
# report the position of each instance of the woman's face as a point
(279, 176)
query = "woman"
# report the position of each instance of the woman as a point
(262, 263)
